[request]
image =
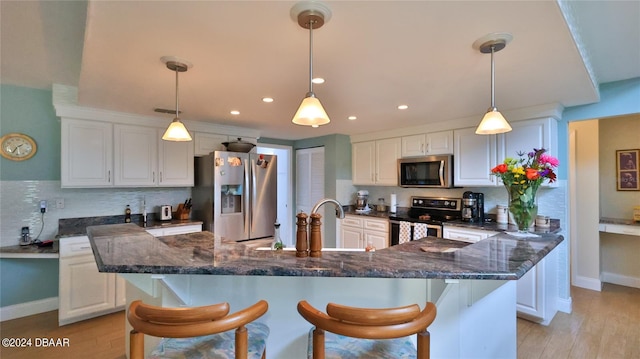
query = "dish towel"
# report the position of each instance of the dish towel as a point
(419, 230)
(405, 232)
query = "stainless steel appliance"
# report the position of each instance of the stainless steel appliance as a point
(432, 211)
(473, 207)
(165, 212)
(362, 200)
(235, 194)
(426, 171)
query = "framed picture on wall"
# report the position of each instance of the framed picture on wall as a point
(627, 170)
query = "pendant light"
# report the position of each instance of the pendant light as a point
(493, 122)
(176, 130)
(310, 15)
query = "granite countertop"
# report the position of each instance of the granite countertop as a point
(626, 222)
(30, 251)
(127, 248)
(72, 227)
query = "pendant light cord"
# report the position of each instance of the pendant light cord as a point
(493, 75)
(177, 101)
(311, 56)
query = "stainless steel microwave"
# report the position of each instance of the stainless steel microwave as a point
(426, 171)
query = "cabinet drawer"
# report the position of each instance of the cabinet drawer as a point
(376, 225)
(466, 235)
(352, 221)
(75, 246)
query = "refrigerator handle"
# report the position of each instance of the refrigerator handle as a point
(246, 210)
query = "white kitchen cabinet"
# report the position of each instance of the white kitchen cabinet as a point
(475, 155)
(358, 231)
(143, 159)
(206, 143)
(168, 231)
(473, 158)
(427, 144)
(86, 154)
(537, 291)
(465, 234)
(84, 292)
(376, 162)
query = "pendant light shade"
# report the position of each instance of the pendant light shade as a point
(310, 15)
(493, 122)
(176, 130)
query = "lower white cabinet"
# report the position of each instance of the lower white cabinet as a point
(465, 234)
(537, 292)
(84, 292)
(358, 231)
(168, 231)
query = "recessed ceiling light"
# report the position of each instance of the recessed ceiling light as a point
(267, 99)
(315, 126)
(234, 112)
(403, 107)
(352, 118)
(318, 80)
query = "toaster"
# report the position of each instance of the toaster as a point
(165, 212)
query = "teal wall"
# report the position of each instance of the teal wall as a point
(616, 99)
(30, 111)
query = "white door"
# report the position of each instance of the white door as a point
(285, 190)
(86, 154)
(135, 155)
(309, 179)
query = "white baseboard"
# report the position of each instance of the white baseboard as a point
(29, 308)
(587, 283)
(565, 305)
(619, 279)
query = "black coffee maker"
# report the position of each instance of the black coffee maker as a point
(473, 207)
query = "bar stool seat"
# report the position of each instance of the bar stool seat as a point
(365, 333)
(200, 332)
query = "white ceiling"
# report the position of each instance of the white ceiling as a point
(374, 55)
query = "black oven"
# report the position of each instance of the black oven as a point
(430, 211)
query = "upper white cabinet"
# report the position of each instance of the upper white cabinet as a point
(102, 154)
(375, 162)
(206, 143)
(427, 144)
(475, 155)
(86, 154)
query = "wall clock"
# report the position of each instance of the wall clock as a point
(17, 146)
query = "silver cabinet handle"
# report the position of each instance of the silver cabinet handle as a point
(160, 177)
(109, 176)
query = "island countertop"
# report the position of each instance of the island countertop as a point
(127, 248)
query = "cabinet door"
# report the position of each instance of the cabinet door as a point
(387, 154)
(474, 156)
(351, 237)
(175, 165)
(439, 143)
(136, 155)
(86, 154)
(121, 295)
(378, 239)
(84, 290)
(413, 145)
(363, 162)
(529, 296)
(206, 143)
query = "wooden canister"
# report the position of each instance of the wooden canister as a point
(301, 235)
(315, 236)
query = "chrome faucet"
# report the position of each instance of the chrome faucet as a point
(339, 210)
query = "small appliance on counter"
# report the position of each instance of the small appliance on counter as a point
(473, 207)
(165, 212)
(362, 201)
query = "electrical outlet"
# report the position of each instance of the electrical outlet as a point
(43, 206)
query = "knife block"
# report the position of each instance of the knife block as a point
(182, 212)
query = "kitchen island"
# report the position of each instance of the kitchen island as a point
(473, 285)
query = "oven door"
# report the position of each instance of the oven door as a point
(433, 230)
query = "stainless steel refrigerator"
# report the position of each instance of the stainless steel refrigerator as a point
(235, 194)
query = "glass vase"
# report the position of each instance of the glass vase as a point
(522, 205)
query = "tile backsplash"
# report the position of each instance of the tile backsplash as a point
(19, 206)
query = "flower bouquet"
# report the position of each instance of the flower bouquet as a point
(522, 177)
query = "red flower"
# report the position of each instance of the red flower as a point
(532, 174)
(501, 168)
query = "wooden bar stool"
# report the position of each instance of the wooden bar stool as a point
(208, 329)
(368, 333)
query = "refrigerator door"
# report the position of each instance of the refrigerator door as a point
(231, 202)
(264, 195)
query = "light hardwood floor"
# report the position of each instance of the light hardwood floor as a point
(603, 325)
